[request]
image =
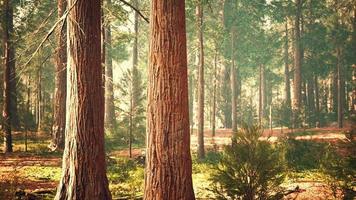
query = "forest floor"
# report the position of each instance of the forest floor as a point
(38, 170)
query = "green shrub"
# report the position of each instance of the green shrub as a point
(250, 168)
(340, 172)
(304, 155)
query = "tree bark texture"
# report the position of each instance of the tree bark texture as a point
(168, 166)
(199, 13)
(84, 167)
(60, 92)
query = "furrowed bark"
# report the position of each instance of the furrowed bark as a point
(168, 165)
(84, 167)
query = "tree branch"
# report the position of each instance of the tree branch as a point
(135, 9)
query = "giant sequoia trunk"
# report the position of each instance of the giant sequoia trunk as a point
(201, 153)
(233, 85)
(168, 167)
(297, 59)
(59, 109)
(84, 168)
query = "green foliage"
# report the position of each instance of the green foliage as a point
(340, 171)
(131, 106)
(304, 155)
(250, 168)
(126, 178)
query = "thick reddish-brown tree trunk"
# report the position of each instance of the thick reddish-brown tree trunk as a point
(84, 167)
(9, 76)
(59, 109)
(169, 166)
(199, 13)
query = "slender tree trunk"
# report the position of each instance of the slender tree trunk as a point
(130, 124)
(191, 100)
(199, 13)
(109, 89)
(287, 95)
(135, 57)
(334, 90)
(59, 109)
(353, 104)
(168, 167)
(297, 61)
(317, 102)
(8, 64)
(226, 95)
(262, 95)
(39, 99)
(233, 85)
(311, 102)
(340, 89)
(213, 121)
(84, 165)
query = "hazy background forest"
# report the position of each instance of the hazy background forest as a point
(276, 78)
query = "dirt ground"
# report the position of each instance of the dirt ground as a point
(11, 180)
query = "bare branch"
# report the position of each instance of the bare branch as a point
(135, 9)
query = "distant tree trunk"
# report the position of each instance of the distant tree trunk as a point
(9, 63)
(109, 89)
(39, 99)
(168, 166)
(297, 60)
(353, 104)
(334, 90)
(60, 92)
(233, 85)
(191, 100)
(311, 101)
(135, 56)
(262, 95)
(287, 97)
(130, 124)
(340, 88)
(199, 13)
(317, 102)
(226, 96)
(213, 121)
(84, 165)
